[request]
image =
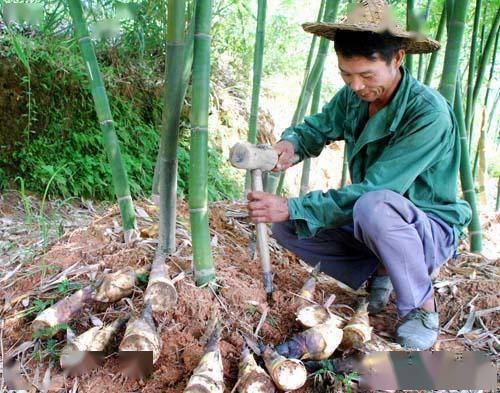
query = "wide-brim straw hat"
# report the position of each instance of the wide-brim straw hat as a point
(375, 16)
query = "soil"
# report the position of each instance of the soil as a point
(239, 300)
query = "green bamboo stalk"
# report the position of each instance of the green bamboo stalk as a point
(456, 28)
(497, 206)
(475, 233)
(258, 60)
(198, 169)
(306, 166)
(472, 61)
(483, 63)
(345, 167)
(308, 64)
(484, 132)
(186, 74)
(450, 6)
(111, 144)
(421, 57)
(170, 131)
(434, 56)
(331, 8)
(410, 26)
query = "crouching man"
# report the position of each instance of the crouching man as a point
(399, 220)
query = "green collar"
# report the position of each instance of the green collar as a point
(385, 121)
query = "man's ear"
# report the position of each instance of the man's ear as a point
(400, 55)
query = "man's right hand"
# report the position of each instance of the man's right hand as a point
(286, 153)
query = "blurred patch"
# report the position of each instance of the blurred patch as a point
(22, 13)
(12, 375)
(106, 29)
(136, 365)
(427, 370)
(126, 10)
(76, 363)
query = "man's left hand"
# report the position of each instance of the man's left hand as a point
(264, 207)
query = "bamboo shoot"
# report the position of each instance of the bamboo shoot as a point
(208, 376)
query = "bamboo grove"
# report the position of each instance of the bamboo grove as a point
(466, 77)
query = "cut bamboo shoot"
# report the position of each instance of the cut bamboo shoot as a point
(62, 311)
(358, 329)
(208, 376)
(251, 377)
(316, 343)
(160, 291)
(287, 374)
(141, 334)
(96, 339)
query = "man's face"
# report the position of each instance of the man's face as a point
(370, 79)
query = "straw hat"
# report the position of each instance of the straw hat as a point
(374, 16)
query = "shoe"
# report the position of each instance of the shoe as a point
(419, 329)
(380, 288)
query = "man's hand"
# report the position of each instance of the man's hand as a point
(286, 153)
(264, 207)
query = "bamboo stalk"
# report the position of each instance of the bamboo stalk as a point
(308, 63)
(456, 28)
(331, 8)
(411, 25)
(421, 57)
(497, 206)
(481, 71)
(472, 60)
(306, 166)
(173, 100)
(434, 56)
(198, 168)
(475, 233)
(111, 144)
(186, 74)
(258, 60)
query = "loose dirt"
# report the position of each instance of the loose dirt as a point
(239, 299)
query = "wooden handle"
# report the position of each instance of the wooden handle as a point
(262, 240)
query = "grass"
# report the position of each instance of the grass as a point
(62, 155)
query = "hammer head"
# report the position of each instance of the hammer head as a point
(244, 155)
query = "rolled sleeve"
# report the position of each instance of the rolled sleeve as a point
(413, 149)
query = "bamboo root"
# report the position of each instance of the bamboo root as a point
(141, 334)
(251, 377)
(160, 291)
(208, 376)
(358, 329)
(316, 343)
(96, 339)
(62, 311)
(287, 374)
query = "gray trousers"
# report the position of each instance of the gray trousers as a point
(387, 229)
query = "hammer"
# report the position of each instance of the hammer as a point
(256, 159)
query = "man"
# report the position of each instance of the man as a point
(399, 220)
